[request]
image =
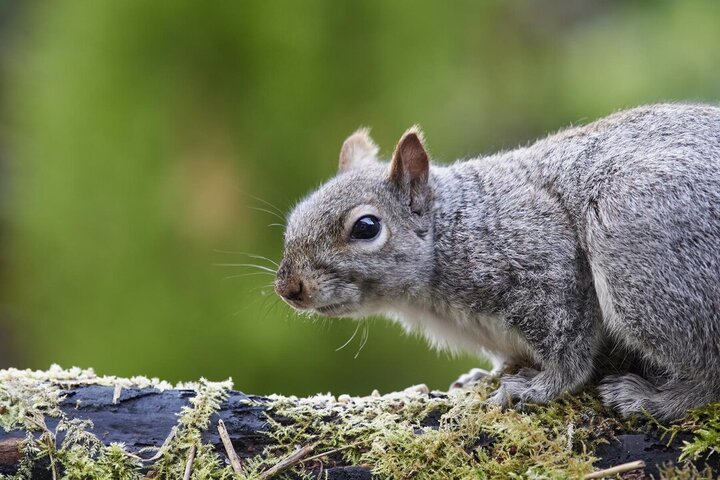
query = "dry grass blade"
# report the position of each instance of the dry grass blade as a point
(229, 449)
(296, 457)
(189, 464)
(611, 472)
(329, 452)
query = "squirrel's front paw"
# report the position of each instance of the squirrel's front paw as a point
(473, 377)
(517, 390)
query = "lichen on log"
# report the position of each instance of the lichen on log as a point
(77, 425)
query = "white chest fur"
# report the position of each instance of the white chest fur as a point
(457, 331)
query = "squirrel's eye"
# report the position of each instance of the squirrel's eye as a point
(366, 228)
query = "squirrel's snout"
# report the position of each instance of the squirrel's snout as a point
(292, 289)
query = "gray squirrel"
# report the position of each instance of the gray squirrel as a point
(598, 242)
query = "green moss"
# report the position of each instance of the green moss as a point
(399, 435)
(685, 472)
(27, 397)
(470, 440)
(192, 421)
(704, 425)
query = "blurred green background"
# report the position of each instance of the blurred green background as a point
(137, 139)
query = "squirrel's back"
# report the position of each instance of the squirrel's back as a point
(671, 150)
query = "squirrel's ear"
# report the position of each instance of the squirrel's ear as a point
(410, 167)
(357, 151)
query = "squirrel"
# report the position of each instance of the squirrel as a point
(601, 240)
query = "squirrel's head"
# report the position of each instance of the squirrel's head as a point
(364, 239)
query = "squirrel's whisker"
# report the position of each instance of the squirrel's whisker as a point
(366, 334)
(274, 207)
(268, 310)
(262, 288)
(249, 265)
(260, 257)
(251, 274)
(251, 255)
(350, 339)
(259, 209)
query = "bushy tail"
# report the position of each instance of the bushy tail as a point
(630, 394)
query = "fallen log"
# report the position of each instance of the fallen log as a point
(156, 431)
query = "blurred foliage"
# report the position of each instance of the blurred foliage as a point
(139, 134)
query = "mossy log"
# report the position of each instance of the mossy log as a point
(144, 417)
(76, 424)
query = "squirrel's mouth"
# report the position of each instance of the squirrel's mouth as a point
(335, 309)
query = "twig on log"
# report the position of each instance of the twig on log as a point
(625, 467)
(329, 452)
(163, 447)
(116, 393)
(189, 465)
(10, 450)
(296, 457)
(229, 449)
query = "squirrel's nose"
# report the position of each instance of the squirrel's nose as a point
(291, 289)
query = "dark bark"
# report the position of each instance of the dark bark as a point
(144, 417)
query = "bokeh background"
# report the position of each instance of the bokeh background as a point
(140, 142)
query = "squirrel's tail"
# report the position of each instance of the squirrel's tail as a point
(631, 394)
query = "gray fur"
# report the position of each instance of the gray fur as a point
(598, 240)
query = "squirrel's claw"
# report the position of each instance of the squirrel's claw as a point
(517, 390)
(471, 378)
